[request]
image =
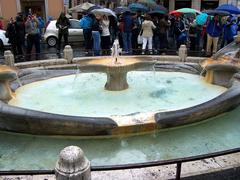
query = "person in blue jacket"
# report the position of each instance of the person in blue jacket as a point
(127, 32)
(230, 30)
(214, 30)
(86, 25)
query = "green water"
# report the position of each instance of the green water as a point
(84, 94)
(21, 152)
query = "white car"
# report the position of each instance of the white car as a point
(75, 32)
(3, 40)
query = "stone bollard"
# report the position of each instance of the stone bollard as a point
(182, 53)
(68, 53)
(72, 165)
(9, 58)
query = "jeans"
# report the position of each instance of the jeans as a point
(87, 34)
(96, 42)
(65, 37)
(127, 42)
(156, 42)
(33, 39)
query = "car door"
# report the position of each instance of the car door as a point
(75, 32)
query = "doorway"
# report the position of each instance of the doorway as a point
(209, 4)
(35, 6)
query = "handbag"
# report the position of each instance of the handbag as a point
(140, 39)
(182, 37)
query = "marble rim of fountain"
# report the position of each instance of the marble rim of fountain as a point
(35, 122)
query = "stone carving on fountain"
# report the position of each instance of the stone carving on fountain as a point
(7, 74)
(222, 66)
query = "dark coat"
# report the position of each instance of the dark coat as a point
(63, 24)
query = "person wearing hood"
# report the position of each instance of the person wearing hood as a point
(147, 33)
(230, 30)
(86, 24)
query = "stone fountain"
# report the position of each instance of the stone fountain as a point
(36, 121)
(115, 67)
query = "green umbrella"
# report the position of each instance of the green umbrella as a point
(188, 11)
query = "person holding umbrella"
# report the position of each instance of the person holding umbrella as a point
(127, 32)
(96, 34)
(137, 20)
(85, 24)
(214, 30)
(180, 31)
(105, 35)
(230, 30)
(147, 33)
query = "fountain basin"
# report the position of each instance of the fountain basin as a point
(36, 122)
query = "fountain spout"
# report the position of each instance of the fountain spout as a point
(115, 51)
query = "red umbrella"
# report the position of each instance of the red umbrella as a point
(175, 13)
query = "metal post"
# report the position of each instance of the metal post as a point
(178, 171)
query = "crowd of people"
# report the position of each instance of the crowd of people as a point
(137, 33)
(154, 34)
(24, 32)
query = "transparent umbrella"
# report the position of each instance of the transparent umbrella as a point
(82, 7)
(104, 11)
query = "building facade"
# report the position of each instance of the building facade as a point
(170, 4)
(44, 8)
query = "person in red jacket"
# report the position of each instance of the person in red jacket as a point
(1, 23)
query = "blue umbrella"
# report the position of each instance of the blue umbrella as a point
(229, 8)
(137, 7)
(201, 19)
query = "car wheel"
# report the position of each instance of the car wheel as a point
(51, 41)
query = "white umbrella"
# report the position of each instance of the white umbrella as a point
(104, 11)
(82, 7)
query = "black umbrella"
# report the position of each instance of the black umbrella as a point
(121, 9)
(156, 12)
(217, 12)
(93, 7)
